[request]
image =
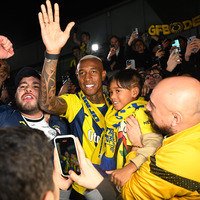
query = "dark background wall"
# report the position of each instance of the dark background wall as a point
(19, 22)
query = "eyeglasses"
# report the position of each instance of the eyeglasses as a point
(155, 75)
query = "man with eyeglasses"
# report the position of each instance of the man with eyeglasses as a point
(152, 77)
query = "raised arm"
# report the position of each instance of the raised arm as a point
(54, 39)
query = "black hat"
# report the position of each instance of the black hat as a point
(25, 72)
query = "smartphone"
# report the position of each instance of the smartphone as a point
(65, 79)
(130, 62)
(159, 46)
(67, 153)
(135, 31)
(190, 40)
(176, 44)
(112, 46)
(176, 48)
(127, 38)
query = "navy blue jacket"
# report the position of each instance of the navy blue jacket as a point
(11, 117)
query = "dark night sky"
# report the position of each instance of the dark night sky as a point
(19, 19)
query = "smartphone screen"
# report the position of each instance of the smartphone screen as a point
(135, 31)
(67, 154)
(130, 63)
(65, 79)
(176, 43)
(191, 38)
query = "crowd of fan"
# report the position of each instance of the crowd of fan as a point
(149, 55)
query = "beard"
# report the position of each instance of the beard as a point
(166, 131)
(27, 108)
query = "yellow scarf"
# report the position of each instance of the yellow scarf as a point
(97, 117)
(105, 150)
(94, 111)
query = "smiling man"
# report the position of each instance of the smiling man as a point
(27, 111)
(85, 110)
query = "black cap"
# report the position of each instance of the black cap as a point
(26, 72)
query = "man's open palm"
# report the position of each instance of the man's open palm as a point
(52, 35)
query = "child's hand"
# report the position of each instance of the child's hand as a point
(121, 176)
(133, 131)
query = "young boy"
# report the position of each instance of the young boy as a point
(124, 88)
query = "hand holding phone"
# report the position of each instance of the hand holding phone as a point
(112, 51)
(65, 79)
(176, 48)
(135, 32)
(89, 178)
(67, 153)
(173, 61)
(130, 64)
(190, 39)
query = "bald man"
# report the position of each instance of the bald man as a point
(173, 172)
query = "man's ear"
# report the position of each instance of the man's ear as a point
(103, 75)
(177, 119)
(76, 72)
(135, 92)
(49, 196)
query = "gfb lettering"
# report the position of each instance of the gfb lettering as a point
(93, 136)
(174, 27)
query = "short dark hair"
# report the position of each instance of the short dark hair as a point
(86, 33)
(114, 36)
(149, 70)
(76, 47)
(26, 167)
(138, 40)
(127, 79)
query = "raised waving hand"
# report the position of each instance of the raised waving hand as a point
(52, 35)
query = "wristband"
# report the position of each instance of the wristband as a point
(51, 56)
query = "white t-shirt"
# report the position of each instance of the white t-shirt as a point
(42, 125)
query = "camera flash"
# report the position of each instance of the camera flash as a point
(95, 47)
